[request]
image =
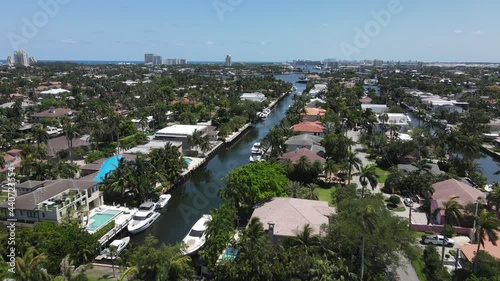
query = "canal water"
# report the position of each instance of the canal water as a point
(489, 165)
(199, 194)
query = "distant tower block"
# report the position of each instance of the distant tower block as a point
(228, 60)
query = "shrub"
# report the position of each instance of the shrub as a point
(394, 200)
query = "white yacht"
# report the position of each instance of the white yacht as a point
(119, 245)
(257, 153)
(143, 218)
(196, 237)
(163, 201)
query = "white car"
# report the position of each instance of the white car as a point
(437, 240)
(408, 202)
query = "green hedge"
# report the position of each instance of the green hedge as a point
(98, 234)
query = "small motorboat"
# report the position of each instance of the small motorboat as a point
(196, 237)
(163, 201)
(120, 245)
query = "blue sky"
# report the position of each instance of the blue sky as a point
(253, 30)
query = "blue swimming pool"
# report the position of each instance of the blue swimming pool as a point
(229, 254)
(188, 160)
(108, 166)
(100, 219)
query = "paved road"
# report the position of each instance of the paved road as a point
(405, 272)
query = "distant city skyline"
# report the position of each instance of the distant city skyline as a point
(397, 30)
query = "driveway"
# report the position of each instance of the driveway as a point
(363, 157)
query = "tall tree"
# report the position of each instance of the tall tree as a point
(487, 226)
(452, 213)
(29, 267)
(367, 175)
(368, 217)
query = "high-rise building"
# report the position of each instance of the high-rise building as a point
(21, 58)
(228, 60)
(148, 58)
(10, 60)
(377, 63)
(183, 61)
(157, 60)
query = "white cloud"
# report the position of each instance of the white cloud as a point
(457, 31)
(263, 43)
(478, 32)
(68, 41)
(209, 43)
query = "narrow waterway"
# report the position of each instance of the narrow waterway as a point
(200, 193)
(489, 165)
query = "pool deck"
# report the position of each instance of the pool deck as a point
(121, 220)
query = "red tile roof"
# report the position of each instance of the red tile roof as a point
(294, 156)
(313, 111)
(308, 127)
(444, 190)
(469, 250)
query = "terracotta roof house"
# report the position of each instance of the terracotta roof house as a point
(310, 142)
(53, 113)
(313, 128)
(444, 190)
(295, 155)
(469, 250)
(286, 217)
(313, 114)
(11, 157)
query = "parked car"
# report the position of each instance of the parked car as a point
(408, 202)
(437, 240)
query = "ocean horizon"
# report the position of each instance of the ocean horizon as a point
(94, 62)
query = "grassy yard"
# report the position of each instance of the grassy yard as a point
(382, 175)
(325, 194)
(3, 196)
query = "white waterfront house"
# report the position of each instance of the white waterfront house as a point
(401, 120)
(51, 200)
(53, 93)
(180, 133)
(255, 96)
(318, 89)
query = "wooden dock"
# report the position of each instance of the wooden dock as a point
(113, 232)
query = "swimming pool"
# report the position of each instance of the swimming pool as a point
(108, 166)
(188, 160)
(100, 219)
(229, 254)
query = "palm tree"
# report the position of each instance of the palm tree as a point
(367, 174)
(353, 161)
(394, 131)
(205, 144)
(2, 160)
(452, 213)
(422, 166)
(326, 270)
(40, 135)
(71, 132)
(310, 192)
(330, 168)
(368, 217)
(69, 272)
(305, 240)
(494, 197)
(29, 267)
(294, 189)
(195, 139)
(383, 119)
(487, 226)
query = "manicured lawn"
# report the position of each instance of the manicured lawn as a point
(325, 194)
(3, 196)
(382, 174)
